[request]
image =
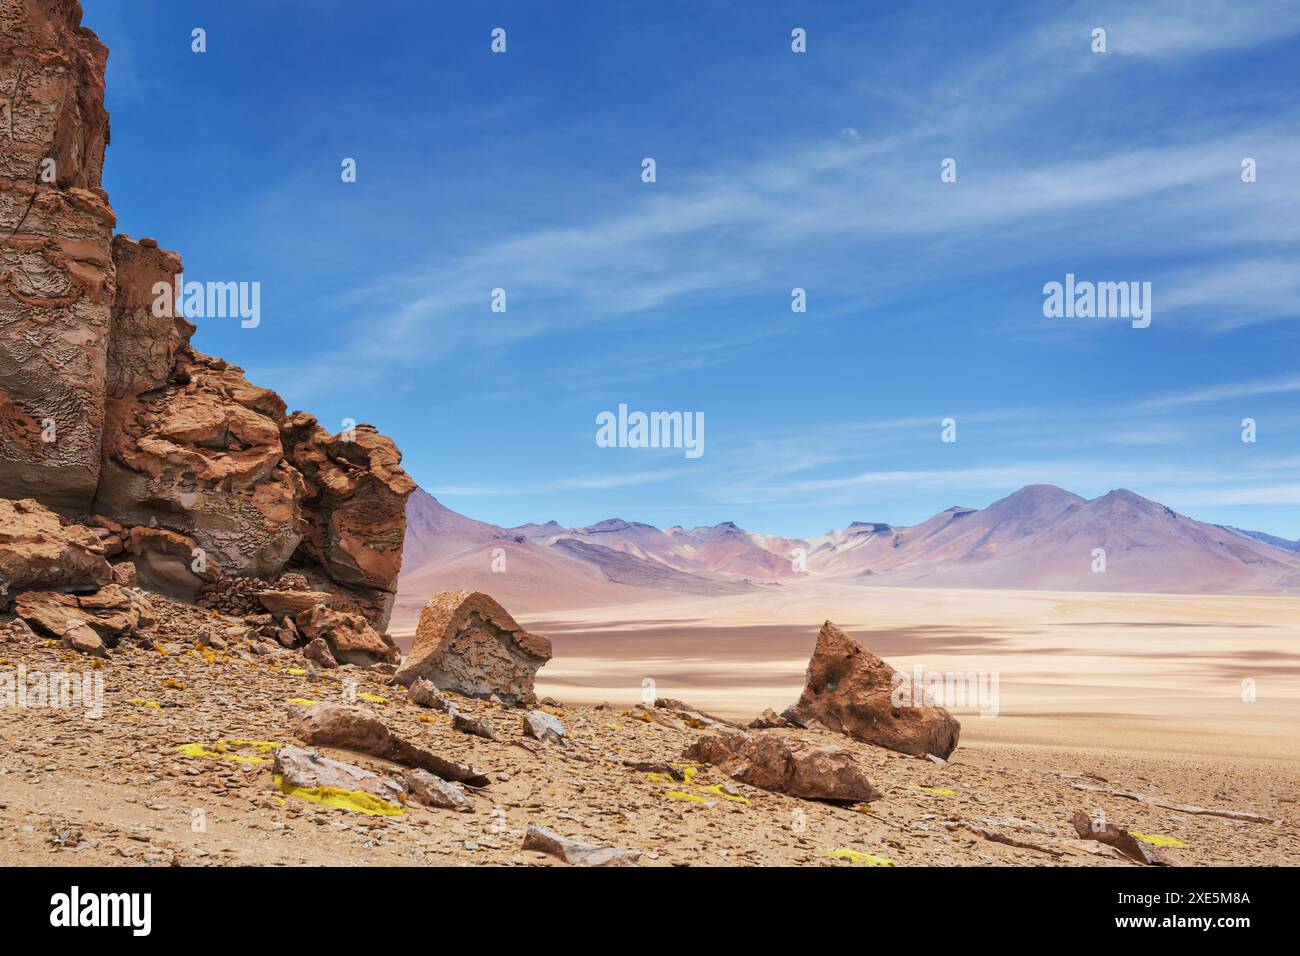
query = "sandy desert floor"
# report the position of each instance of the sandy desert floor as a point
(1099, 696)
(1151, 674)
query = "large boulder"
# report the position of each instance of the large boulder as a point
(851, 691)
(466, 642)
(38, 551)
(785, 764)
(56, 270)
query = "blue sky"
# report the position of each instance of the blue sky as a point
(775, 170)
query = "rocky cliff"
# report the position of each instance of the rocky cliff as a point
(108, 415)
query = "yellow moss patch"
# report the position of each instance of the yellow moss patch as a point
(1156, 839)
(854, 856)
(938, 792)
(226, 750)
(691, 797)
(141, 702)
(173, 684)
(355, 800)
(613, 726)
(303, 701)
(296, 671)
(717, 791)
(373, 698)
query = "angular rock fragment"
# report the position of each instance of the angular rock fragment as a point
(318, 652)
(544, 727)
(435, 792)
(473, 726)
(112, 611)
(1104, 832)
(785, 764)
(83, 639)
(851, 691)
(305, 769)
(424, 694)
(350, 637)
(351, 728)
(576, 852)
(292, 603)
(466, 642)
(767, 720)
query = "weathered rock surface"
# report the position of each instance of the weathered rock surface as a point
(851, 691)
(292, 603)
(544, 727)
(350, 637)
(105, 407)
(785, 764)
(56, 272)
(424, 694)
(435, 792)
(473, 726)
(318, 652)
(112, 611)
(351, 728)
(576, 852)
(1111, 835)
(467, 642)
(83, 639)
(355, 499)
(300, 768)
(37, 551)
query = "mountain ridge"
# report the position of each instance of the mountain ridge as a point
(1040, 537)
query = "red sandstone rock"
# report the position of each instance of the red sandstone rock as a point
(468, 643)
(104, 405)
(37, 551)
(350, 637)
(851, 691)
(786, 764)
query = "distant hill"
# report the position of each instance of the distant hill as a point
(1040, 537)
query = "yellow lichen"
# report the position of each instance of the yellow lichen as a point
(854, 856)
(355, 800)
(1156, 839)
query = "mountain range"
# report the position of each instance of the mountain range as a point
(1038, 538)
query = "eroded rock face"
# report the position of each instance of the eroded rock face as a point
(467, 643)
(851, 691)
(104, 406)
(56, 275)
(38, 551)
(355, 502)
(785, 764)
